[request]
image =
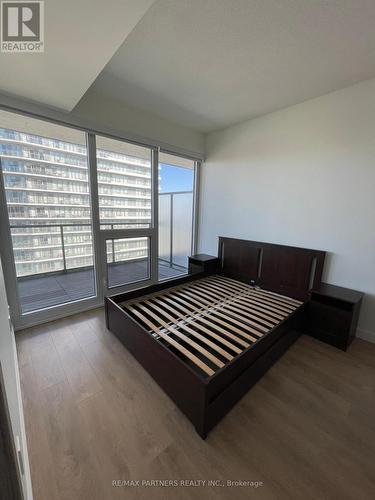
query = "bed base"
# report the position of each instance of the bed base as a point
(204, 400)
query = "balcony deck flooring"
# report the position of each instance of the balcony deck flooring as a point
(39, 292)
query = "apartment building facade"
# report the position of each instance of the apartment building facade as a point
(48, 197)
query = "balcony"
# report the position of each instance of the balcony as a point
(46, 182)
(54, 262)
(47, 290)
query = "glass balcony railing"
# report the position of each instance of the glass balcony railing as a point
(49, 248)
(43, 248)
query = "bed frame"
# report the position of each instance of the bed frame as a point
(204, 382)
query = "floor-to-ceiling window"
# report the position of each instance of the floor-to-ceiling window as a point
(56, 181)
(176, 197)
(124, 176)
(46, 180)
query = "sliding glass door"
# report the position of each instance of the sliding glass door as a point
(125, 175)
(85, 215)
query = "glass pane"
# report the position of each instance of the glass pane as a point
(46, 181)
(124, 184)
(128, 260)
(176, 186)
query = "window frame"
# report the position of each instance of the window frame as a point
(24, 320)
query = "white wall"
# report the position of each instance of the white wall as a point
(301, 176)
(9, 364)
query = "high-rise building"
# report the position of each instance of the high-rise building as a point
(47, 191)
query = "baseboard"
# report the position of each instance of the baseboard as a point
(366, 335)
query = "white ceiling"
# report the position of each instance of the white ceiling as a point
(80, 38)
(207, 64)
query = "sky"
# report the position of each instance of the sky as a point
(175, 178)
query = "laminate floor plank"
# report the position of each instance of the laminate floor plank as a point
(75, 467)
(93, 415)
(39, 447)
(38, 348)
(78, 370)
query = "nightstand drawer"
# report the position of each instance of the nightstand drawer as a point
(332, 314)
(330, 319)
(336, 340)
(332, 302)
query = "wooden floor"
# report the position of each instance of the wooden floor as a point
(93, 415)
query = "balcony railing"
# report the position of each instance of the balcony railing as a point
(60, 231)
(175, 227)
(175, 210)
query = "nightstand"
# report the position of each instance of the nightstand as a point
(203, 263)
(332, 314)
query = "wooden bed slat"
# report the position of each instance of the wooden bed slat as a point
(201, 289)
(211, 315)
(262, 318)
(222, 331)
(216, 289)
(231, 291)
(180, 324)
(279, 303)
(234, 348)
(196, 316)
(162, 299)
(202, 316)
(246, 314)
(266, 307)
(248, 321)
(235, 298)
(184, 298)
(276, 305)
(247, 301)
(175, 344)
(229, 317)
(183, 337)
(225, 315)
(237, 339)
(225, 288)
(181, 300)
(192, 297)
(248, 294)
(235, 285)
(231, 299)
(220, 312)
(288, 301)
(222, 304)
(206, 313)
(232, 282)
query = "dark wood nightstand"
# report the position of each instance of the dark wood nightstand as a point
(203, 263)
(332, 314)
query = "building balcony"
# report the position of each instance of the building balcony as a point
(54, 269)
(48, 290)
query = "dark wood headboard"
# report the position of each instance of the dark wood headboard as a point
(283, 269)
